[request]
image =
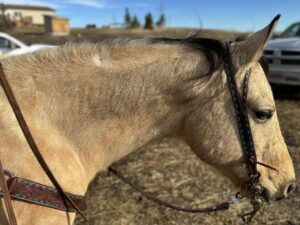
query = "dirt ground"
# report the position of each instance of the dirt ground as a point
(171, 171)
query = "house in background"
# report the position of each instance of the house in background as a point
(57, 25)
(32, 15)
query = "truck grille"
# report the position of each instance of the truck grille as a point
(290, 53)
(290, 61)
(268, 52)
(285, 57)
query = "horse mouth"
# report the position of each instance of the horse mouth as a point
(266, 195)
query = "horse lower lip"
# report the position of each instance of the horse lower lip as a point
(266, 195)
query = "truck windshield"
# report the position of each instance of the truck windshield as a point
(292, 31)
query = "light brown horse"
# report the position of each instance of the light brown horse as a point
(89, 105)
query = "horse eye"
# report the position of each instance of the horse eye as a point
(264, 115)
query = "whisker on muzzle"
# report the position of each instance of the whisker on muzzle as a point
(267, 166)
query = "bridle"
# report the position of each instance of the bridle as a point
(240, 106)
(29, 191)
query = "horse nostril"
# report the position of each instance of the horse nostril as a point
(291, 188)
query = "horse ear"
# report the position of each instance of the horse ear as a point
(251, 49)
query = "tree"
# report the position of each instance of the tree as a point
(161, 21)
(5, 22)
(127, 18)
(135, 22)
(148, 21)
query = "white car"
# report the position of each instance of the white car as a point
(283, 54)
(12, 46)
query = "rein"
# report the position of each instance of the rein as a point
(13, 189)
(218, 207)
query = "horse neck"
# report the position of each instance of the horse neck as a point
(111, 101)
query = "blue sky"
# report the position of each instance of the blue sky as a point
(236, 15)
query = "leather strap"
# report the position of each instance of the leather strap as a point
(33, 146)
(7, 200)
(217, 207)
(32, 192)
(240, 107)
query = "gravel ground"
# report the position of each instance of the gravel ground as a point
(171, 171)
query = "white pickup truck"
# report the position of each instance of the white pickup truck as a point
(283, 53)
(12, 46)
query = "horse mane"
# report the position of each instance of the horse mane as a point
(212, 49)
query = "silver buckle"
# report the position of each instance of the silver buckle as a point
(233, 200)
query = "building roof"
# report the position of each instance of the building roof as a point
(28, 7)
(56, 17)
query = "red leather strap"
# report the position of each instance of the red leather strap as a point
(32, 192)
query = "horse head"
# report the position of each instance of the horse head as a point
(215, 122)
